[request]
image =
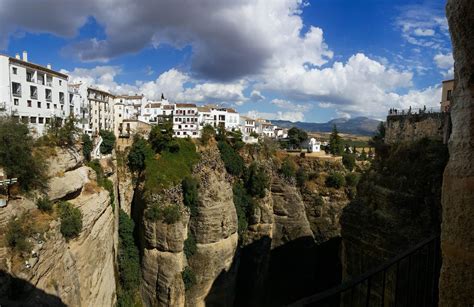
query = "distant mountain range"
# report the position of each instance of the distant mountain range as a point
(357, 125)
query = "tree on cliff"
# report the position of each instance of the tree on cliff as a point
(161, 136)
(108, 142)
(296, 137)
(336, 147)
(138, 153)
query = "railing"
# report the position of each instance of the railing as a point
(412, 111)
(409, 279)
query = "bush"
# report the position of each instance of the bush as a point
(208, 132)
(189, 278)
(296, 137)
(288, 168)
(87, 147)
(233, 162)
(352, 179)
(108, 142)
(169, 214)
(59, 134)
(243, 205)
(190, 194)
(71, 220)
(103, 181)
(349, 161)
(17, 155)
(190, 246)
(44, 204)
(301, 177)
(256, 180)
(335, 180)
(138, 153)
(16, 235)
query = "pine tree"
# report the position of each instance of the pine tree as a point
(335, 143)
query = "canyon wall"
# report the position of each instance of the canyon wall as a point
(456, 286)
(413, 127)
(79, 272)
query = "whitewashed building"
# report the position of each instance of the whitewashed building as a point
(312, 145)
(265, 128)
(185, 120)
(101, 107)
(32, 93)
(247, 125)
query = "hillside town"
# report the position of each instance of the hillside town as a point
(36, 95)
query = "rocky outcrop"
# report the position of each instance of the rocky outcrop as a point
(79, 272)
(413, 127)
(64, 160)
(456, 286)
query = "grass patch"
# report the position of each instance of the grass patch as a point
(170, 167)
(169, 214)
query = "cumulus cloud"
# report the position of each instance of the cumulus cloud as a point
(285, 104)
(229, 39)
(256, 96)
(174, 84)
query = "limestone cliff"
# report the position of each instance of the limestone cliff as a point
(80, 272)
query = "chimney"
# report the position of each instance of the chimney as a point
(48, 66)
(17, 56)
(25, 56)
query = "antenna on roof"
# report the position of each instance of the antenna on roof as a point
(162, 96)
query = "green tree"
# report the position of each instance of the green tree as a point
(363, 155)
(190, 194)
(208, 132)
(256, 180)
(138, 154)
(296, 137)
(108, 142)
(335, 143)
(243, 203)
(233, 162)
(128, 257)
(17, 155)
(161, 136)
(71, 220)
(16, 235)
(87, 146)
(378, 142)
(44, 204)
(348, 160)
(190, 246)
(352, 179)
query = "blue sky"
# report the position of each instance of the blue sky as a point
(283, 59)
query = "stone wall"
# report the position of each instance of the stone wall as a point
(409, 128)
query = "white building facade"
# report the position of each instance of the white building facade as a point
(185, 120)
(32, 93)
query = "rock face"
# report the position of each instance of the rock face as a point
(413, 127)
(456, 286)
(80, 272)
(65, 159)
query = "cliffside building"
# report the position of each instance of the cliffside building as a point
(32, 93)
(446, 96)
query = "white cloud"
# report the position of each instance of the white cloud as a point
(444, 61)
(285, 104)
(290, 116)
(424, 32)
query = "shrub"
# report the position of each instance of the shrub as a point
(59, 134)
(103, 181)
(349, 161)
(233, 162)
(44, 204)
(190, 246)
(335, 143)
(190, 194)
(108, 142)
(138, 153)
(352, 179)
(169, 214)
(87, 147)
(256, 180)
(254, 134)
(71, 220)
(335, 180)
(189, 278)
(208, 132)
(17, 155)
(288, 168)
(243, 205)
(16, 235)
(301, 177)
(296, 137)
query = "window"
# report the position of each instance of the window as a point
(61, 97)
(15, 70)
(28, 103)
(48, 106)
(16, 89)
(49, 80)
(60, 82)
(40, 120)
(62, 107)
(29, 76)
(55, 106)
(39, 104)
(33, 92)
(47, 120)
(449, 95)
(48, 94)
(16, 101)
(33, 120)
